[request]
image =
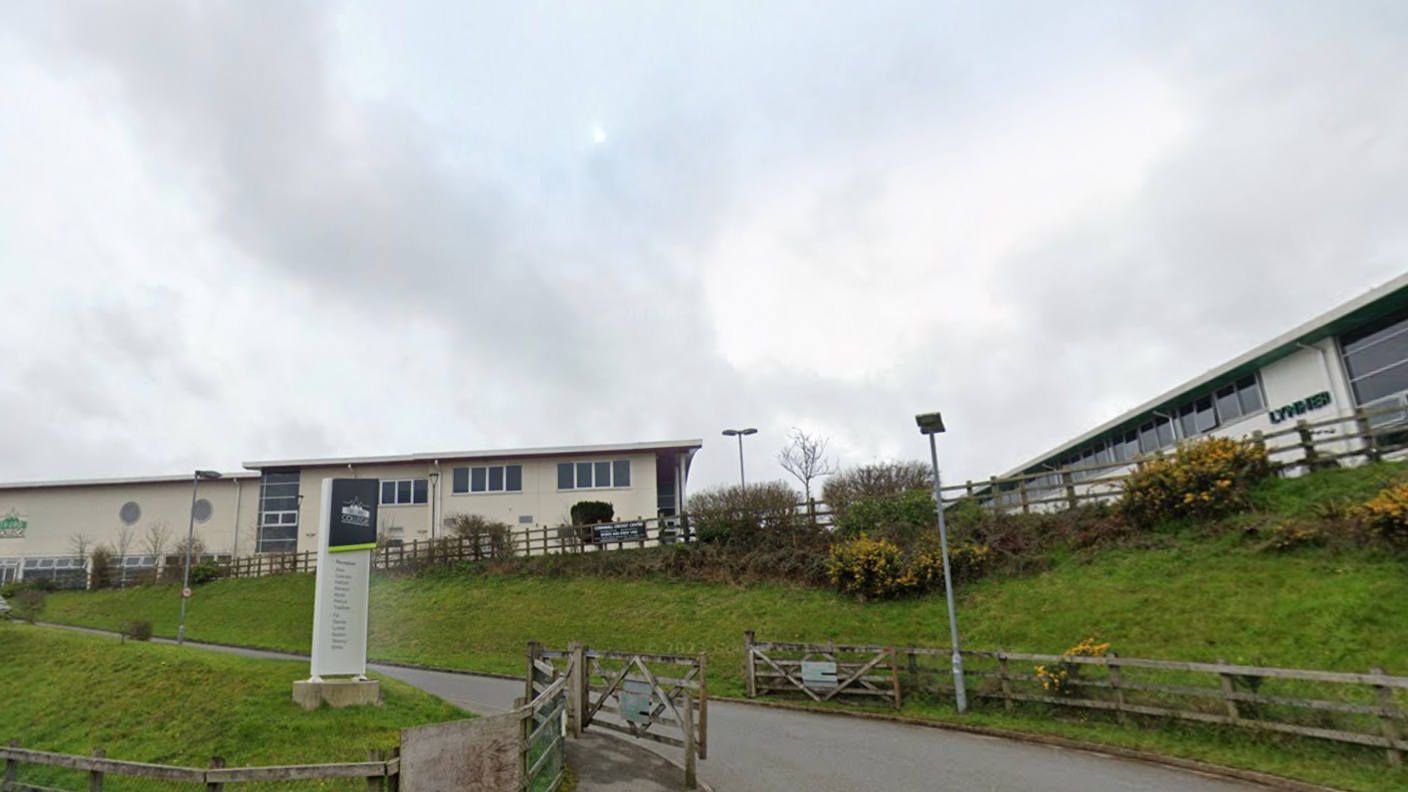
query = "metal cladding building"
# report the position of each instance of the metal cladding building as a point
(274, 506)
(1350, 363)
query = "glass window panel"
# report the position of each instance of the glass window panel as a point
(1148, 439)
(1187, 421)
(279, 504)
(513, 478)
(280, 490)
(584, 474)
(1385, 383)
(1228, 408)
(1382, 355)
(603, 474)
(564, 475)
(479, 481)
(289, 518)
(277, 478)
(1105, 456)
(496, 478)
(1164, 428)
(461, 480)
(388, 492)
(1373, 334)
(1249, 394)
(1207, 418)
(420, 489)
(403, 491)
(621, 472)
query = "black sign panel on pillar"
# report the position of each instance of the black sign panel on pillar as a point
(352, 523)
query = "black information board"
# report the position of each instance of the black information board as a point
(619, 532)
(352, 514)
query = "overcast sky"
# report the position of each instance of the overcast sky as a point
(258, 230)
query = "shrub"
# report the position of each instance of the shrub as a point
(875, 480)
(1386, 514)
(592, 512)
(206, 571)
(105, 562)
(14, 589)
(1285, 536)
(966, 560)
(1059, 679)
(1204, 479)
(903, 518)
(758, 515)
(870, 569)
(28, 604)
(486, 538)
(138, 630)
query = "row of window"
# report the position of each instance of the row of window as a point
(509, 478)
(1376, 359)
(1194, 417)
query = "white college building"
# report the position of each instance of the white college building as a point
(273, 506)
(1348, 361)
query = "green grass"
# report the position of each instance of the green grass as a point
(71, 692)
(1198, 595)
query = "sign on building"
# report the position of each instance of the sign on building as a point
(619, 532)
(12, 526)
(346, 539)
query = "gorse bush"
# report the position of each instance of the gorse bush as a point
(1386, 514)
(870, 569)
(1204, 479)
(876, 568)
(1060, 679)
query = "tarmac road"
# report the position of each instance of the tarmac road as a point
(755, 749)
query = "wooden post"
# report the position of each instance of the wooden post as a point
(750, 671)
(1228, 689)
(577, 691)
(996, 496)
(1117, 685)
(393, 780)
(703, 706)
(95, 777)
(535, 651)
(968, 487)
(691, 781)
(1022, 492)
(12, 767)
(375, 783)
(1006, 678)
(216, 763)
(895, 676)
(1309, 457)
(1366, 431)
(1069, 482)
(1388, 716)
(913, 670)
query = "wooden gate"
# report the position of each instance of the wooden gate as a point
(662, 698)
(821, 672)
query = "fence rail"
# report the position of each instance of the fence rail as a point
(381, 773)
(1367, 709)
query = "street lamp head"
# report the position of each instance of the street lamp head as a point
(930, 423)
(208, 474)
(734, 432)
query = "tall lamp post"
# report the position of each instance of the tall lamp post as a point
(932, 424)
(740, 434)
(190, 536)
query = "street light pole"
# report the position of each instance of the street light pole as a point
(932, 424)
(740, 434)
(190, 538)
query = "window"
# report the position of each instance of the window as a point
(490, 478)
(278, 513)
(1376, 357)
(594, 475)
(1197, 417)
(405, 492)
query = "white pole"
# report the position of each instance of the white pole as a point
(959, 692)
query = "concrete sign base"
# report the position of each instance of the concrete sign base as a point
(336, 693)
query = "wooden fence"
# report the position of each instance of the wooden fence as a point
(645, 696)
(1363, 435)
(1360, 709)
(380, 773)
(543, 748)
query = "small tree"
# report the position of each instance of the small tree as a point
(122, 547)
(81, 545)
(486, 538)
(154, 544)
(804, 457)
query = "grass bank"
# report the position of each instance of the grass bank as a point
(71, 692)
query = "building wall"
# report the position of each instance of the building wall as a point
(540, 502)
(53, 515)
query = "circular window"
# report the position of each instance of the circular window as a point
(130, 513)
(202, 510)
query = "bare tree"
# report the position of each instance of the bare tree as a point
(154, 544)
(81, 545)
(804, 457)
(122, 546)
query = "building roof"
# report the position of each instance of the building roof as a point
(182, 479)
(1376, 303)
(687, 446)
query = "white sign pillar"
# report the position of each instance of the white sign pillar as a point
(346, 541)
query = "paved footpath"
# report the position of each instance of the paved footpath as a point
(756, 749)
